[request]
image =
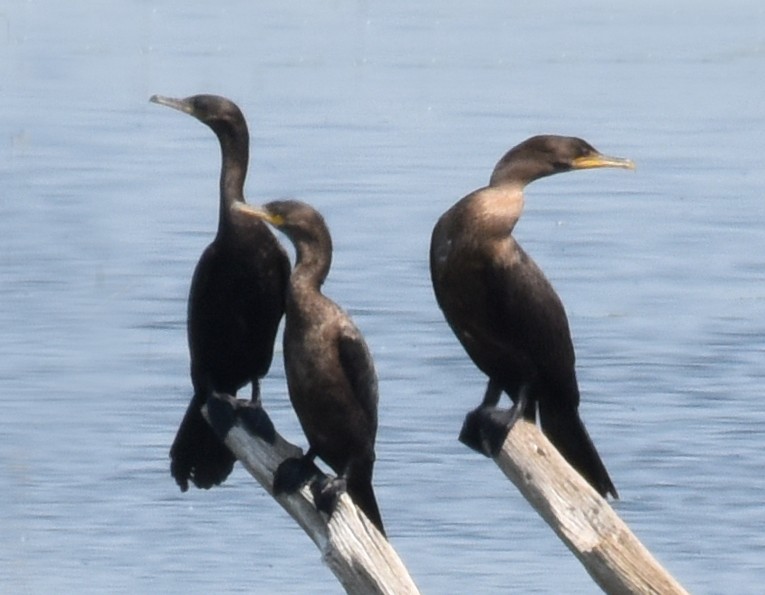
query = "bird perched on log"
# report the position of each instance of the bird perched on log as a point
(506, 313)
(236, 301)
(330, 373)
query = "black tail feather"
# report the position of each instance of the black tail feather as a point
(566, 431)
(197, 454)
(359, 485)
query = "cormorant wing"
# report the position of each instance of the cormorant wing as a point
(201, 293)
(529, 318)
(358, 367)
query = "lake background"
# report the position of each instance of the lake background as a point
(381, 115)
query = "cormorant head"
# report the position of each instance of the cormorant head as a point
(299, 221)
(219, 113)
(545, 155)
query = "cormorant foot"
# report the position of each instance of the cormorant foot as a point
(292, 473)
(221, 409)
(255, 419)
(485, 429)
(326, 491)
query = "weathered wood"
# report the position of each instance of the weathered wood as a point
(363, 560)
(581, 518)
(360, 557)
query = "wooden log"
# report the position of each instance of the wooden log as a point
(360, 557)
(612, 555)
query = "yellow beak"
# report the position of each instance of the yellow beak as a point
(598, 160)
(275, 220)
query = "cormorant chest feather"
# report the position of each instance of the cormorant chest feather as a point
(333, 386)
(310, 340)
(316, 335)
(236, 300)
(498, 302)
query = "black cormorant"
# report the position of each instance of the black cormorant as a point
(235, 304)
(330, 373)
(505, 312)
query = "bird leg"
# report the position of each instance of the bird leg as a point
(255, 395)
(224, 410)
(492, 394)
(486, 427)
(294, 472)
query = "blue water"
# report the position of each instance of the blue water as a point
(381, 115)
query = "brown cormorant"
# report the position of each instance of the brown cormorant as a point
(506, 313)
(235, 303)
(330, 373)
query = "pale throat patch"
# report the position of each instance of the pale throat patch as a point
(501, 203)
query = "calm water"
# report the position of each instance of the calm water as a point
(382, 115)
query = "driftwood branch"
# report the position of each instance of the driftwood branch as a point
(581, 518)
(359, 556)
(363, 560)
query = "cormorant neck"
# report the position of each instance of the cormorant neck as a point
(235, 153)
(520, 172)
(314, 258)
(496, 209)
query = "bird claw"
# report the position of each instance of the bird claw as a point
(326, 492)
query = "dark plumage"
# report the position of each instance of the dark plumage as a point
(235, 303)
(502, 308)
(330, 373)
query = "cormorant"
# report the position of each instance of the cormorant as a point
(503, 309)
(330, 373)
(235, 302)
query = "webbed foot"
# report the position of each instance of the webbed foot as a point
(223, 410)
(485, 429)
(256, 420)
(292, 473)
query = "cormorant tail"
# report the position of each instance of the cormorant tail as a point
(566, 431)
(197, 453)
(359, 485)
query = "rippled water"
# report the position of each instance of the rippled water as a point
(382, 115)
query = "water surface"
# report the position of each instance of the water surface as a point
(381, 116)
